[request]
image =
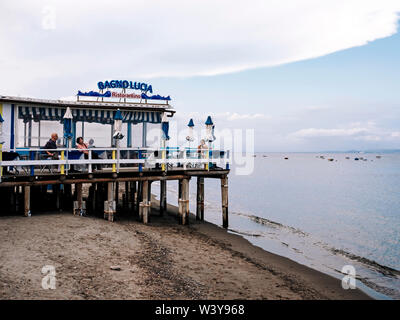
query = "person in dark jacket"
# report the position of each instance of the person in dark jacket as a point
(52, 144)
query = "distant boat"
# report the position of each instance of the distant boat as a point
(264, 156)
(322, 157)
(356, 159)
(286, 158)
(378, 157)
(330, 159)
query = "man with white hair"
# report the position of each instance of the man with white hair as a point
(52, 144)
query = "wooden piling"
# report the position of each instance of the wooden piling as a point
(179, 188)
(110, 204)
(92, 198)
(132, 198)
(27, 201)
(163, 196)
(200, 199)
(144, 210)
(139, 198)
(224, 196)
(78, 205)
(116, 199)
(184, 202)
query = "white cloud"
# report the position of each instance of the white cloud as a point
(314, 132)
(137, 39)
(225, 118)
(368, 132)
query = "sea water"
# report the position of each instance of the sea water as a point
(320, 213)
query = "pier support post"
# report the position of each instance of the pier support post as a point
(79, 204)
(110, 205)
(126, 196)
(27, 201)
(116, 189)
(144, 208)
(163, 197)
(132, 197)
(224, 196)
(184, 202)
(57, 194)
(200, 199)
(92, 198)
(179, 189)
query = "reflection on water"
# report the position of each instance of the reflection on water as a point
(324, 214)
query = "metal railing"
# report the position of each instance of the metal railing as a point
(162, 159)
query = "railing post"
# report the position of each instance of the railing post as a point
(1, 159)
(62, 166)
(90, 161)
(140, 157)
(32, 157)
(184, 159)
(113, 165)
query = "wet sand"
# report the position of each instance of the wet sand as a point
(162, 260)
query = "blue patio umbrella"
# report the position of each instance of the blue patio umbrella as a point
(210, 129)
(190, 130)
(68, 124)
(165, 127)
(1, 129)
(118, 125)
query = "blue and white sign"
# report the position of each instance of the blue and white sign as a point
(125, 84)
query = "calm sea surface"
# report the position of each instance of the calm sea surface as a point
(323, 214)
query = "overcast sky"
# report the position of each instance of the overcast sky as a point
(306, 75)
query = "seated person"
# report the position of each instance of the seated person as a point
(83, 148)
(52, 144)
(201, 149)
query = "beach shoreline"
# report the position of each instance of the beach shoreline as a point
(161, 260)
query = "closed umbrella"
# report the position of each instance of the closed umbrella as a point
(1, 130)
(164, 127)
(117, 136)
(164, 138)
(118, 125)
(210, 130)
(190, 136)
(67, 133)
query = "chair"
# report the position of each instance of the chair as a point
(76, 155)
(44, 156)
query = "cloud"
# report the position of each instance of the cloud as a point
(368, 132)
(225, 118)
(314, 132)
(140, 39)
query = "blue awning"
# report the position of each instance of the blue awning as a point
(87, 115)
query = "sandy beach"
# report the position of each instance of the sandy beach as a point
(162, 260)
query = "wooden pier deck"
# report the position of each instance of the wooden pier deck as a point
(23, 188)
